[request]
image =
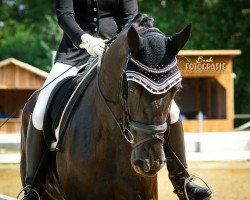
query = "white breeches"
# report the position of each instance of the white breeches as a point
(57, 70)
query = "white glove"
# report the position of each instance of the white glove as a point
(94, 46)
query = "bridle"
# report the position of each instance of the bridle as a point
(152, 132)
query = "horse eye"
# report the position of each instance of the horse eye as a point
(132, 90)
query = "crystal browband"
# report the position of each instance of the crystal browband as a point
(151, 85)
(156, 70)
(157, 79)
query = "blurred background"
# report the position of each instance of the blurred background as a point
(214, 101)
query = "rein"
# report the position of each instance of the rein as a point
(153, 132)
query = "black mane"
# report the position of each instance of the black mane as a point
(143, 20)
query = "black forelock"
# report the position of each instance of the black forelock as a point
(143, 20)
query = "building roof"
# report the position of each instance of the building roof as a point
(23, 65)
(221, 52)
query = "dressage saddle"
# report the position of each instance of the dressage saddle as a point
(63, 101)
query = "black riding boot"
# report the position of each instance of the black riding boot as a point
(35, 148)
(176, 172)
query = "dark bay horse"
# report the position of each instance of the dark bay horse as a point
(128, 102)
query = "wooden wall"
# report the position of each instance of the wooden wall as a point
(16, 86)
(14, 100)
(14, 77)
(12, 126)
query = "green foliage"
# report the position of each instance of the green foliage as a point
(216, 24)
(24, 45)
(29, 31)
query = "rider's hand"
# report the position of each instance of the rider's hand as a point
(94, 46)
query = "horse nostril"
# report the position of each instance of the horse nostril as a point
(138, 163)
(144, 165)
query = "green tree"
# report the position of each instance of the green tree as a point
(29, 31)
(216, 24)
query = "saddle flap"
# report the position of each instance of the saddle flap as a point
(63, 101)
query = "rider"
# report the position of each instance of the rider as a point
(86, 24)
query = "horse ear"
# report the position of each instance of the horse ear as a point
(178, 40)
(135, 42)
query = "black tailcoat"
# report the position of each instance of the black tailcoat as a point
(99, 18)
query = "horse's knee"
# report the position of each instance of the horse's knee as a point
(174, 113)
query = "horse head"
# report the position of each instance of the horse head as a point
(146, 79)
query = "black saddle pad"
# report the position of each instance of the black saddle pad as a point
(69, 89)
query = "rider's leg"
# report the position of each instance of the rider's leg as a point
(57, 70)
(35, 144)
(35, 147)
(176, 174)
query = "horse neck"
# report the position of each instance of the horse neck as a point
(110, 75)
(111, 69)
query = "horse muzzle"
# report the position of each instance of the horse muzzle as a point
(147, 168)
(148, 163)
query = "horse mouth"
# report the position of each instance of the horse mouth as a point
(143, 167)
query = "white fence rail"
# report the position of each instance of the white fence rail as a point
(3, 197)
(221, 146)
